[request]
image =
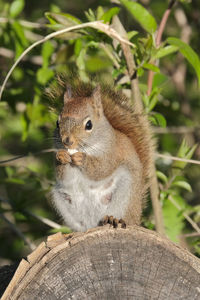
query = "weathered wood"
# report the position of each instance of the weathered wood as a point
(107, 263)
(6, 274)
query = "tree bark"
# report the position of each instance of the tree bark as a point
(107, 263)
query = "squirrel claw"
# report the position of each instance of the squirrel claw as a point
(63, 157)
(123, 223)
(77, 158)
(112, 221)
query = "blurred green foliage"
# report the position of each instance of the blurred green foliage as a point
(27, 124)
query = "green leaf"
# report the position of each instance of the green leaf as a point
(107, 16)
(131, 34)
(159, 79)
(9, 171)
(90, 15)
(184, 148)
(144, 18)
(20, 216)
(165, 51)
(15, 180)
(16, 8)
(20, 33)
(20, 39)
(183, 184)
(152, 120)
(81, 59)
(62, 18)
(152, 103)
(145, 99)
(18, 49)
(77, 47)
(159, 120)
(63, 229)
(25, 126)
(178, 178)
(163, 196)
(162, 176)
(184, 152)
(151, 67)
(153, 99)
(54, 8)
(140, 72)
(96, 63)
(173, 220)
(99, 12)
(51, 20)
(44, 75)
(47, 50)
(188, 53)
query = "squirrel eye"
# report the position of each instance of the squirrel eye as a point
(88, 125)
(57, 124)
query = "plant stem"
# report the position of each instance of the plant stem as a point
(158, 41)
(96, 24)
(138, 108)
(192, 223)
(136, 96)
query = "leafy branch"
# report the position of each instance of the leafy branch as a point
(96, 24)
(158, 40)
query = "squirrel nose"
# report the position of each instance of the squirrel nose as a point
(67, 141)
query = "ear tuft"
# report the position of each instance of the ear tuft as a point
(68, 93)
(96, 94)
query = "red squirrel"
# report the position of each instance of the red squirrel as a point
(103, 158)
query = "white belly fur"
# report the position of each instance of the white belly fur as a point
(86, 207)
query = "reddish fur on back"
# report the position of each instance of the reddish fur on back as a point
(119, 112)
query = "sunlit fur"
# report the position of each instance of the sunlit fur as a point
(118, 149)
(119, 111)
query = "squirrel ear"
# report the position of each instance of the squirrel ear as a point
(67, 94)
(96, 95)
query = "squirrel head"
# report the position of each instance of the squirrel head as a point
(80, 121)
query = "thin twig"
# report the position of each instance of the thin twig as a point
(175, 130)
(97, 25)
(30, 244)
(138, 107)
(191, 161)
(4, 162)
(193, 234)
(192, 223)
(135, 91)
(110, 55)
(23, 23)
(46, 221)
(164, 22)
(154, 190)
(36, 59)
(158, 155)
(158, 40)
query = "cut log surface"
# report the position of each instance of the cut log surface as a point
(107, 263)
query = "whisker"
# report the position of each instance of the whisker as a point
(52, 139)
(93, 148)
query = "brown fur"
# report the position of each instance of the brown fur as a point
(120, 114)
(119, 111)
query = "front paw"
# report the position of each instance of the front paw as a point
(63, 157)
(77, 158)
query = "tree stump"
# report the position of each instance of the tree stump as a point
(107, 263)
